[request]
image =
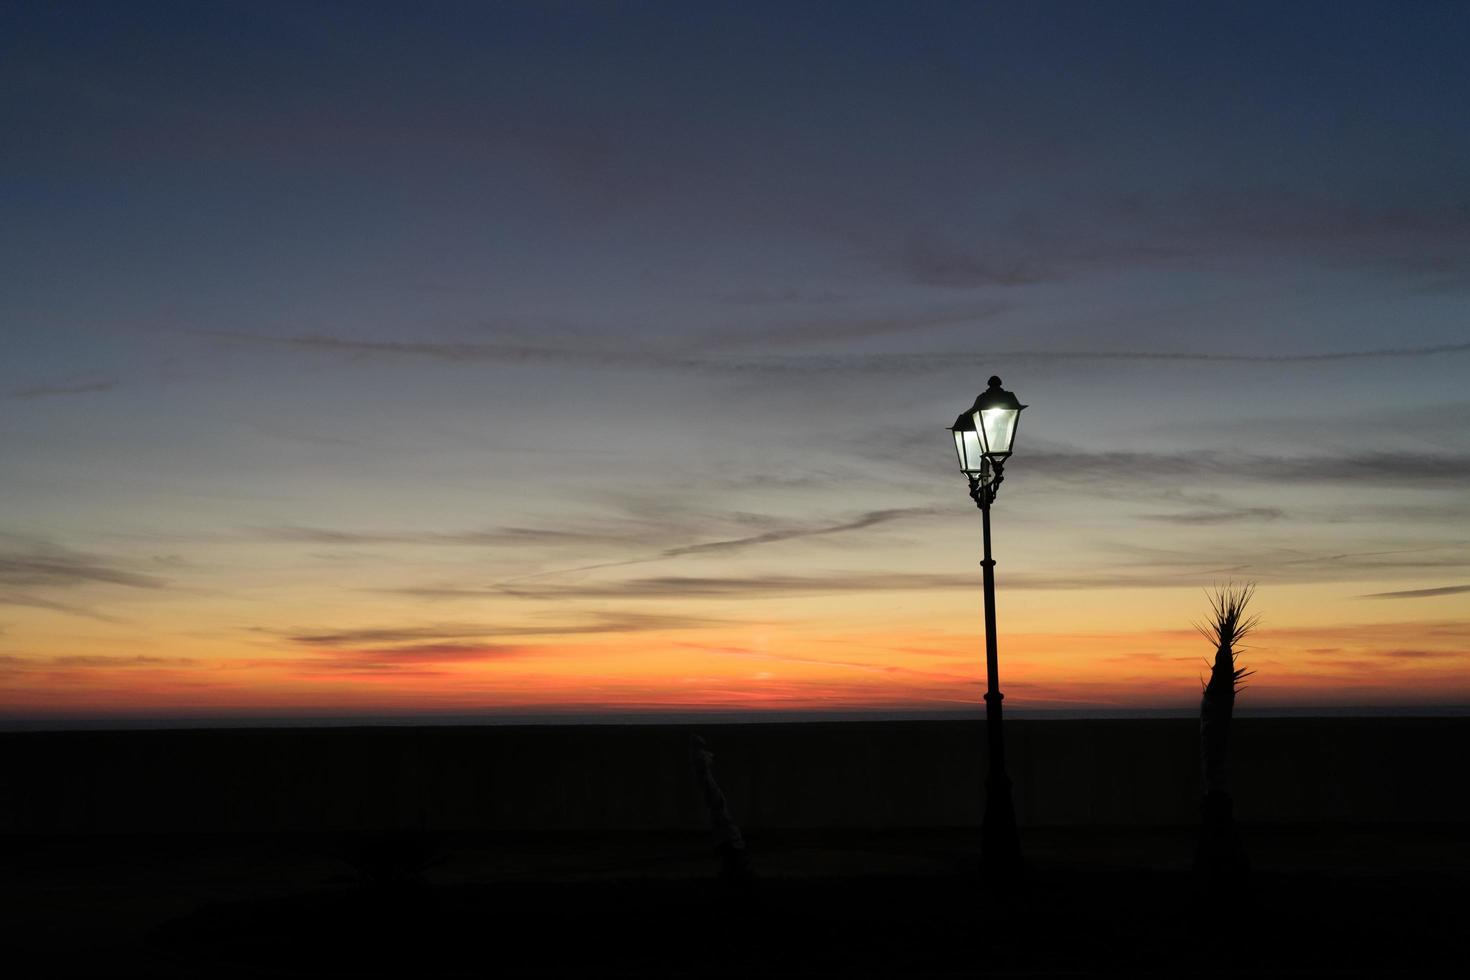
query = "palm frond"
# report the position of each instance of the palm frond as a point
(1227, 626)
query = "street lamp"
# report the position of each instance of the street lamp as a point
(983, 437)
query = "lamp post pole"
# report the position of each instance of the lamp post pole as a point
(1000, 845)
(984, 437)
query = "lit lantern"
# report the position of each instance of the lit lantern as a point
(968, 448)
(994, 416)
(986, 432)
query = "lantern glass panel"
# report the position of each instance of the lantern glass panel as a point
(999, 425)
(971, 453)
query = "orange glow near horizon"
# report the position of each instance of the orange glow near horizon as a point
(750, 671)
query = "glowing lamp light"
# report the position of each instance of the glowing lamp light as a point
(985, 433)
(994, 416)
(969, 449)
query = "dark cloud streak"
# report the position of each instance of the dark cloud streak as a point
(775, 536)
(390, 658)
(53, 390)
(795, 364)
(96, 662)
(36, 602)
(293, 533)
(1196, 518)
(1431, 469)
(437, 634)
(830, 330)
(867, 520)
(50, 567)
(685, 587)
(1419, 593)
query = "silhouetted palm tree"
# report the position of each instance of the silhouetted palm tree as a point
(1221, 856)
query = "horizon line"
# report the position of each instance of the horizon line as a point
(548, 719)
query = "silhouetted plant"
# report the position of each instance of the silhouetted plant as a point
(1220, 855)
(729, 842)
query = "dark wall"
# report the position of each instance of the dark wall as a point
(860, 775)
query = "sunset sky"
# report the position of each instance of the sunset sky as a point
(392, 359)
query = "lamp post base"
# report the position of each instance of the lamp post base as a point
(1000, 844)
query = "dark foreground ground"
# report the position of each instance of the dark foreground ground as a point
(586, 851)
(1378, 900)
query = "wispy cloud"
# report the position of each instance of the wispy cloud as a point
(788, 532)
(794, 364)
(32, 392)
(443, 591)
(456, 352)
(1421, 654)
(1283, 563)
(40, 565)
(1373, 233)
(1428, 240)
(625, 532)
(1419, 593)
(770, 586)
(294, 533)
(931, 262)
(1132, 567)
(736, 587)
(412, 656)
(834, 329)
(1380, 636)
(1139, 475)
(872, 518)
(436, 635)
(9, 598)
(396, 634)
(111, 662)
(412, 651)
(91, 663)
(1221, 516)
(1150, 658)
(871, 668)
(1438, 469)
